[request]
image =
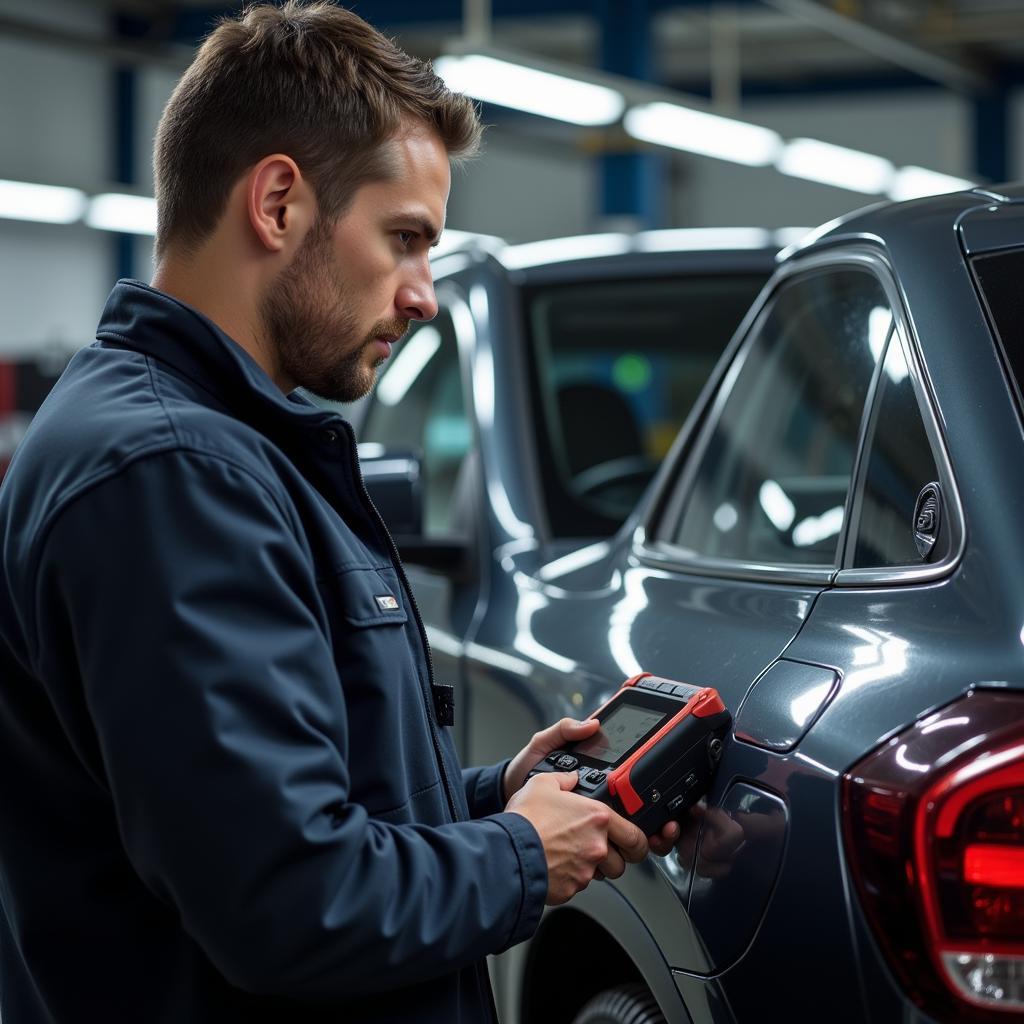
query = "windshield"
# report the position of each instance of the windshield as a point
(617, 366)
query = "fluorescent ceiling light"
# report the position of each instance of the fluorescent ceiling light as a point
(703, 238)
(525, 88)
(112, 211)
(48, 204)
(668, 124)
(836, 165)
(554, 250)
(915, 182)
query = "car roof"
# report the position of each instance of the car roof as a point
(738, 249)
(901, 223)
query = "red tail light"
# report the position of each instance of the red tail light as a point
(934, 829)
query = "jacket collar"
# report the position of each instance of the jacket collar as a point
(146, 320)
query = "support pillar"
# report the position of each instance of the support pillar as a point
(123, 159)
(991, 124)
(632, 184)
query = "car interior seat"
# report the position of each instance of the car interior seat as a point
(597, 426)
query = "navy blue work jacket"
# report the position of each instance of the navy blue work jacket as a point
(224, 793)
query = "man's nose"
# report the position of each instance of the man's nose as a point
(415, 299)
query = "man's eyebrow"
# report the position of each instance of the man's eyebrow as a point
(424, 226)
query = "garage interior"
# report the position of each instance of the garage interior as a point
(663, 132)
(931, 84)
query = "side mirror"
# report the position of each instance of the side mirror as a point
(394, 480)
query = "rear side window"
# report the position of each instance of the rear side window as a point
(617, 366)
(772, 481)
(899, 464)
(1000, 278)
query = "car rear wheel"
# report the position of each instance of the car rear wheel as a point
(625, 1004)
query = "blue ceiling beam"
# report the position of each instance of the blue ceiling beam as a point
(632, 184)
(190, 24)
(992, 129)
(817, 85)
(124, 118)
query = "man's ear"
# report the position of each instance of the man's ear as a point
(280, 203)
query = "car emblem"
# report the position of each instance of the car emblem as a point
(927, 519)
(387, 603)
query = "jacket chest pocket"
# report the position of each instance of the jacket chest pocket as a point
(381, 669)
(368, 597)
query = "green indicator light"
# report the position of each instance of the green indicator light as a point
(631, 372)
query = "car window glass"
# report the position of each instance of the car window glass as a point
(617, 367)
(999, 276)
(773, 479)
(900, 462)
(419, 404)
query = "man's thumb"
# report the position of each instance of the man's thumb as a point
(586, 727)
(567, 780)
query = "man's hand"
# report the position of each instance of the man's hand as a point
(582, 838)
(555, 737)
(665, 843)
(545, 742)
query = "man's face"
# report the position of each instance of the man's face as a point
(333, 314)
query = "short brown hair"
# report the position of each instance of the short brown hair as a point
(311, 80)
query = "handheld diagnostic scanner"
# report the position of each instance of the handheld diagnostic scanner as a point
(656, 751)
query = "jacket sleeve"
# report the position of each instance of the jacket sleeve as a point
(186, 587)
(485, 790)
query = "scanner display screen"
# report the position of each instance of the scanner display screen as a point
(620, 731)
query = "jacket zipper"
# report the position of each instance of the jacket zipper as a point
(483, 980)
(400, 569)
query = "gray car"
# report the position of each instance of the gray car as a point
(832, 543)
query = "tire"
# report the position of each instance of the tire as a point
(625, 1004)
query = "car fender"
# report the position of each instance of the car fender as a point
(577, 945)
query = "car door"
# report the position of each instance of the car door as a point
(857, 451)
(754, 517)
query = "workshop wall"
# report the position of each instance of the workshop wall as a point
(928, 128)
(53, 130)
(58, 125)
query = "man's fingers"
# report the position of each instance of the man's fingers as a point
(582, 727)
(612, 866)
(663, 843)
(563, 731)
(566, 780)
(569, 730)
(631, 842)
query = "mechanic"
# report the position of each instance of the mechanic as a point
(230, 792)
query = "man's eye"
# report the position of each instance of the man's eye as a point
(406, 237)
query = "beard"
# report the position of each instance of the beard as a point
(309, 322)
